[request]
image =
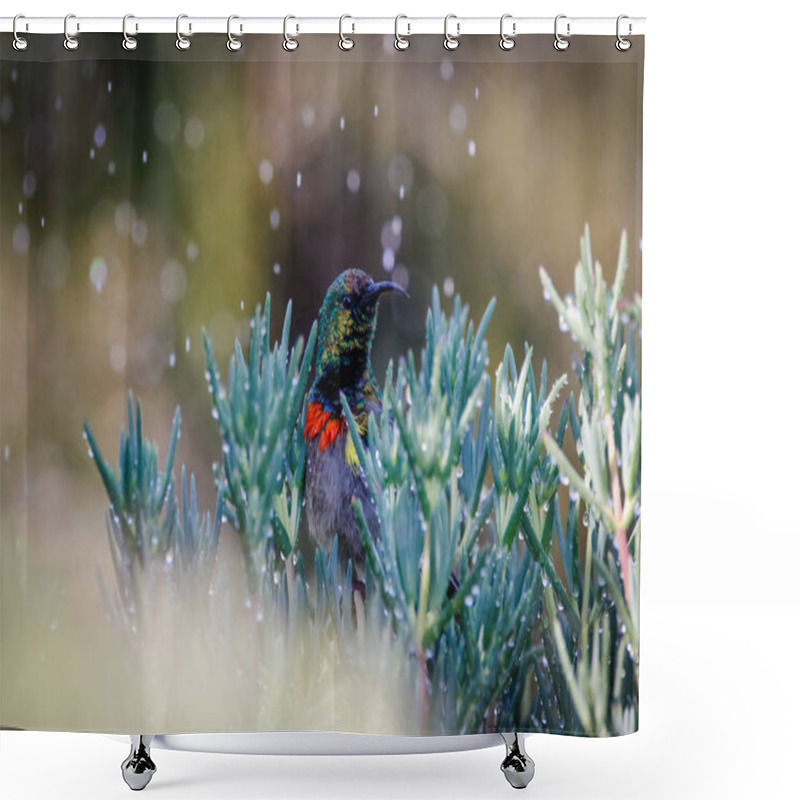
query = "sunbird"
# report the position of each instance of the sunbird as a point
(347, 322)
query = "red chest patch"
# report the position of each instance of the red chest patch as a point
(322, 423)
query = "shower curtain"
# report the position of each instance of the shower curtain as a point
(320, 385)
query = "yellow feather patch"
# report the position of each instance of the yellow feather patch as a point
(350, 455)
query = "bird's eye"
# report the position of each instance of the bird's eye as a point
(347, 301)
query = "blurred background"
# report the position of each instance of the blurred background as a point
(145, 198)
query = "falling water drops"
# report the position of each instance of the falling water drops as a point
(188, 344)
(353, 181)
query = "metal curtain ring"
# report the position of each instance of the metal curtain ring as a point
(345, 42)
(623, 44)
(290, 42)
(451, 42)
(70, 41)
(129, 42)
(560, 42)
(20, 42)
(401, 42)
(182, 42)
(234, 42)
(507, 42)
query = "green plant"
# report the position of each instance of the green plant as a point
(541, 631)
(600, 657)
(263, 451)
(152, 533)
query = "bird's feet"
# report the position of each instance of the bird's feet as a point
(517, 766)
(138, 768)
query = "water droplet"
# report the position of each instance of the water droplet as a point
(341, 123)
(215, 415)
(99, 137)
(469, 601)
(471, 148)
(299, 179)
(402, 192)
(477, 92)
(29, 184)
(629, 381)
(353, 181)
(573, 495)
(564, 480)
(188, 344)
(308, 115)
(562, 323)
(144, 156)
(586, 519)
(546, 296)
(98, 272)
(375, 111)
(7, 452)
(458, 118)
(448, 287)
(275, 218)
(276, 268)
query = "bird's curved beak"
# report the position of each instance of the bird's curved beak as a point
(379, 288)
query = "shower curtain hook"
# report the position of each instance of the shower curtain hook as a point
(290, 43)
(560, 42)
(401, 42)
(20, 42)
(182, 42)
(70, 42)
(234, 42)
(507, 42)
(451, 42)
(622, 44)
(129, 42)
(345, 42)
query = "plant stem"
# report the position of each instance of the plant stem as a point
(616, 494)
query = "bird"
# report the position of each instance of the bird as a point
(347, 322)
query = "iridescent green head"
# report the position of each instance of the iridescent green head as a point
(347, 322)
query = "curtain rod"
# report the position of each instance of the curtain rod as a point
(299, 25)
